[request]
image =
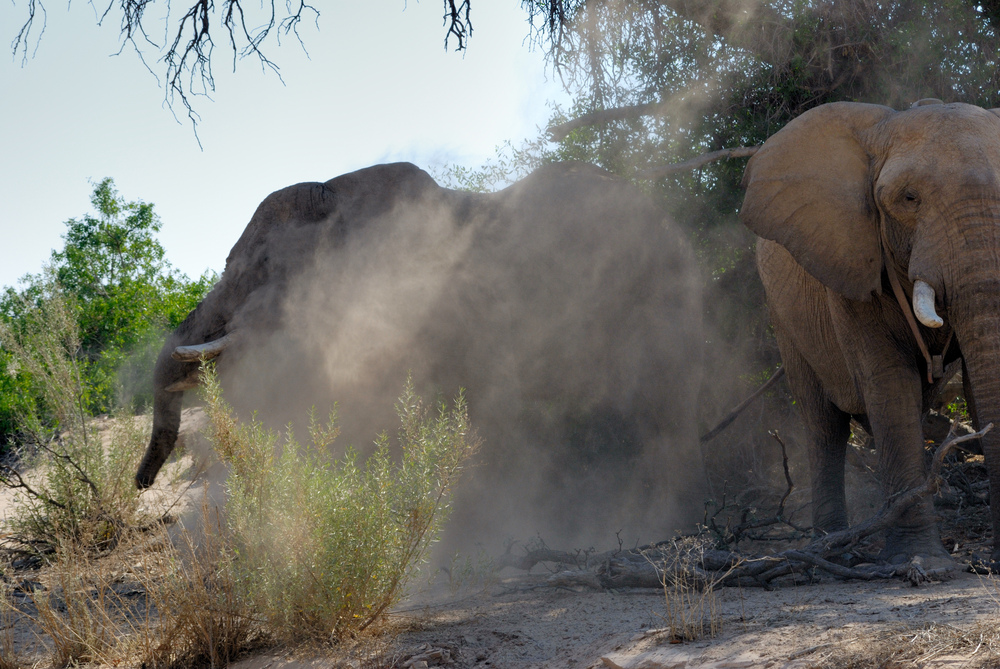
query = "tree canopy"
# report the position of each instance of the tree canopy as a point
(662, 81)
(724, 73)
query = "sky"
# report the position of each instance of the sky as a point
(376, 86)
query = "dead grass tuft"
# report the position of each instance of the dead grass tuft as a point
(201, 618)
(9, 656)
(689, 589)
(978, 645)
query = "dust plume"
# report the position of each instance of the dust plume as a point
(567, 306)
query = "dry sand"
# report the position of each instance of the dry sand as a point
(515, 624)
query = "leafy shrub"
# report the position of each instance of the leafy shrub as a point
(324, 547)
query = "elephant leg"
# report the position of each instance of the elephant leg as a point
(828, 428)
(885, 370)
(899, 443)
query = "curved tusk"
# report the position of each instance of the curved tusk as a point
(923, 304)
(205, 351)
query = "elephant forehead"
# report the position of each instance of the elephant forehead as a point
(948, 145)
(950, 129)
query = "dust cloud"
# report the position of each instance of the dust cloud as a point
(567, 306)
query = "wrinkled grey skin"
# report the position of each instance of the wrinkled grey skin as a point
(567, 293)
(841, 196)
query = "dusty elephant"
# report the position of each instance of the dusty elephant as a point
(864, 211)
(567, 305)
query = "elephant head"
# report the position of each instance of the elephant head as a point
(295, 221)
(866, 211)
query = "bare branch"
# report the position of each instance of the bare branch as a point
(693, 164)
(754, 26)
(20, 42)
(456, 19)
(634, 568)
(81, 475)
(788, 477)
(12, 478)
(194, 57)
(774, 378)
(557, 133)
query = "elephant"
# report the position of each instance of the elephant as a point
(879, 250)
(566, 305)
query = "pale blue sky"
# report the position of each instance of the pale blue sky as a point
(370, 92)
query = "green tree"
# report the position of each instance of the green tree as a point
(123, 295)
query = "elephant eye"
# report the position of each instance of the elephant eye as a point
(910, 195)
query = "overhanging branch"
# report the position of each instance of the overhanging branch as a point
(693, 164)
(557, 133)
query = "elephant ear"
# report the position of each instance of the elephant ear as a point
(809, 189)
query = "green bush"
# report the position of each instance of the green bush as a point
(80, 488)
(324, 547)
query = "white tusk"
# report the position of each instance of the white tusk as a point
(923, 304)
(205, 351)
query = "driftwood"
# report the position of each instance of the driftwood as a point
(660, 565)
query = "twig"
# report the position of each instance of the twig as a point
(788, 476)
(897, 505)
(7, 471)
(81, 475)
(732, 415)
(812, 649)
(546, 554)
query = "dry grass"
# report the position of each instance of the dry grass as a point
(155, 602)
(689, 590)
(9, 656)
(88, 612)
(978, 645)
(201, 617)
(77, 616)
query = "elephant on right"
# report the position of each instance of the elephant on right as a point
(879, 251)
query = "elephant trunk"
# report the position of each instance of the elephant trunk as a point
(169, 378)
(166, 425)
(976, 318)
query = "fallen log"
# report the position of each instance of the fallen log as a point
(672, 562)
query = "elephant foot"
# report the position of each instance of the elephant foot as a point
(902, 546)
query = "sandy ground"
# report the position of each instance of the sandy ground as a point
(514, 623)
(514, 620)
